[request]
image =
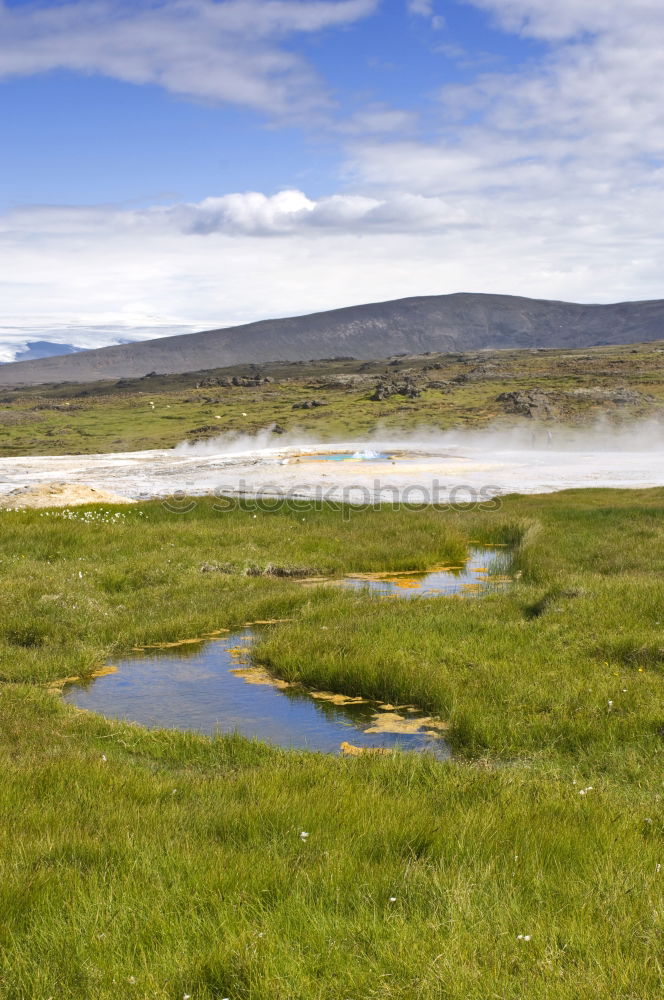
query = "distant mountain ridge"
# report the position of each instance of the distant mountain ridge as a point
(440, 323)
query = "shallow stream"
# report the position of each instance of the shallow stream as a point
(211, 685)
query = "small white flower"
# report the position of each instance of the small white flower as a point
(104, 758)
(392, 899)
(80, 575)
(187, 996)
(610, 704)
(304, 835)
(132, 980)
(523, 937)
(658, 868)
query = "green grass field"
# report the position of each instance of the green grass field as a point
(164, 865)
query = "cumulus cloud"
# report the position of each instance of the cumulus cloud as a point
(234, 52)
(257, 214)
(250, 213)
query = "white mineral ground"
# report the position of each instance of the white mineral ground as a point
(436, 467)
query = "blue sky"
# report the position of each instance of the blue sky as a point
(77, 139)
(170, 165)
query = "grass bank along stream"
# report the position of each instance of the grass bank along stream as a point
(158, 864)
(201, 684)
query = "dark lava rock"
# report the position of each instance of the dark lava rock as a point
(382, 391)
(309, 404)
(350, 382)
(213, 383)
(533, 404)
(204, 429)
(386, 389)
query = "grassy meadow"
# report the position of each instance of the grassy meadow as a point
(164, 865)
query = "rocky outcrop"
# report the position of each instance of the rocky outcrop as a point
(236, 380)
(539, 404)
(386, 388)
(533, 404)
(309, 404)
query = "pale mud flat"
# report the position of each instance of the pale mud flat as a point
(410, 471)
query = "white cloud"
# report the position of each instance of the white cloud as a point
(425, 8)
(256, 214)
(233, 52)
(567, 18)
(567, 151)
(251, 213)
(379, 118)
(422, 7)
(107, 274)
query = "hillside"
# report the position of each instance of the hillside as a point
(441, 323)
(339, 400)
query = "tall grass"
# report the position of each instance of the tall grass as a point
(149, 864)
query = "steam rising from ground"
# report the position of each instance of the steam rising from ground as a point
(423, 466)
(243, 444)
(601, 436)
